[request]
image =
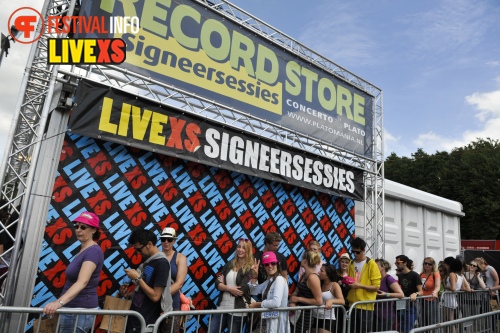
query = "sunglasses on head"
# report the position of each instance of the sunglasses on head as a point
(270, 264)
(246, 240)
(81, 226)
(167, 239)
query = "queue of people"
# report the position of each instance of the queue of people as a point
(260, 280)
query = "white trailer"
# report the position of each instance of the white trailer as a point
(417, 224)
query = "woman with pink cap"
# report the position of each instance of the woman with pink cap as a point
(274, 293)
(82, 277)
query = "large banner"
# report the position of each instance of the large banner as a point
(211, 208)
(111, 114)
(193, 47)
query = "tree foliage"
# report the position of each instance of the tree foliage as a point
(469, 175)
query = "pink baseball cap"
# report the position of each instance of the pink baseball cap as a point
(88, 218)
(268, 257)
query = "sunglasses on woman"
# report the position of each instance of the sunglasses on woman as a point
(167, 239)
(81, 226)
(270, 264)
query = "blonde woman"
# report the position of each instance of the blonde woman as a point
(235, 292)
(344, 261)
(308, 290)
(431, 283)
(315, 247)
(491, 275)
(475, 278)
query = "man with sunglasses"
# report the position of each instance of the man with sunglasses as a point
(366, 283)
(151, 296)
(411, 284)
(272, 241)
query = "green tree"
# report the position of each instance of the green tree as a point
(469, 175)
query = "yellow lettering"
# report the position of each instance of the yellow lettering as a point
(326, 84)
(140, 123)
(157, 128)
(344, 101)
(53, 57)
(293, 85)
(89, 50)
(216, 53)
(75, 49)
(310, 78)
(265, 55)
(178, 14)
(359, 109)
(105, 124)
(124, 119)
(242, 48)
(153, 18)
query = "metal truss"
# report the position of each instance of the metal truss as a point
(374, 169)
(36, 95)
(27, 133)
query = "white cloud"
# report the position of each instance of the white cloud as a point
(434, 142)
(488, 104)
(394, 144)
(487, 108)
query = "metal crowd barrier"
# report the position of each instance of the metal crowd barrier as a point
(460, 304)
(391, 314)
(403, 315)
(383, 315)
(255, 320)
(15, 319)
(482, 323)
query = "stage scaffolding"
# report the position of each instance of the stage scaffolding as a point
(32, 152)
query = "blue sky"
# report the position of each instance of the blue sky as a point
(437, 62)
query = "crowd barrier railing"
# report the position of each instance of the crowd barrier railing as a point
(482, 323)
(382, 315)
(15, 319)
(402, 315)
(391, 314)
(258, 320)
(456, 305)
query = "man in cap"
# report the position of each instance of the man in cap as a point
(151, 296)
(178, 272)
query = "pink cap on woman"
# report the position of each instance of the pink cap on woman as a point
(268, 257)
(88, 218)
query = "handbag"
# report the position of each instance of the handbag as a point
(115, 324)
(47, 325)
(294, 316)
(494, 305)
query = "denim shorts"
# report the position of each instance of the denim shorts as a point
(67, 323)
